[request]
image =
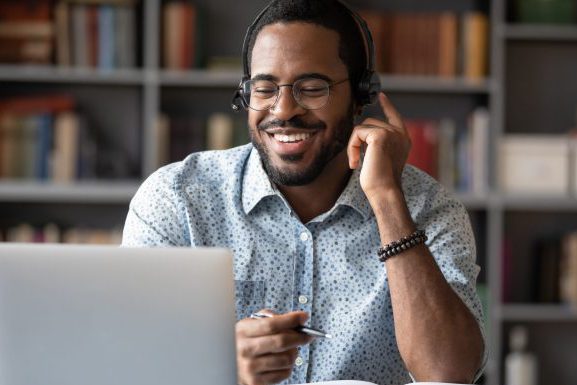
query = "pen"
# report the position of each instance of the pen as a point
(302, 329)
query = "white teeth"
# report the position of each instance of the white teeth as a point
(292, 138)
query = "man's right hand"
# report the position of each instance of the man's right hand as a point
(266, 348)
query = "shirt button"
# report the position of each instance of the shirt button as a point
(299, 361)
(303, 299)
(304, 237)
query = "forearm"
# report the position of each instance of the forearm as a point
(437, 336)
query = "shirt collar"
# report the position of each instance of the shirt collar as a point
(354, 196)
(256, 186)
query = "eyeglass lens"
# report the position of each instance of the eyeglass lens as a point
(309, 93)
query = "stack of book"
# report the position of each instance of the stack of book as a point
(442, 44)
(43, 138)
(84, 33)
(95, 33)
(182, 29)
(457, 157)
(51, 233)
(26, 32)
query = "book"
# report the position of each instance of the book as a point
(448, 44)
(475, 45)
(106, 33)
(547, 272)
(219, 131)
(80, 47)
(63, 38)
(479, 127)
(92, 35)
(446, 153)
(425, 139)
(568, 269)
(174, 39)
(65, 156)
(162, 140)
(125, 30)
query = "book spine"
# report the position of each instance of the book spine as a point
(106, 37)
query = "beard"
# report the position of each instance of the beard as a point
(328, 151)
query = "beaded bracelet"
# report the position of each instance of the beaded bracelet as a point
(401, 245)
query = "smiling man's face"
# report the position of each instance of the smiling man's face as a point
(296, 144)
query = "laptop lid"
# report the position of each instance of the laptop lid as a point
(102, 315)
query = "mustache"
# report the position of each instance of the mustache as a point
(295, 122)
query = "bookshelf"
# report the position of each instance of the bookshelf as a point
(126, 104)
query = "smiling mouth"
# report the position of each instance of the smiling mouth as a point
(293, 138)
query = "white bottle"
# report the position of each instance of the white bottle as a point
(520, 365)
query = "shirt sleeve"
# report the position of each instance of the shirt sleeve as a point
(154, 218)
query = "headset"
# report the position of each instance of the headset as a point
(369, 84)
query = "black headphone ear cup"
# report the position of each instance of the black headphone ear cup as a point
(368, 88)
(374, 87)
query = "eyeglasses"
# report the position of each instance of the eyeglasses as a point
(309, 93)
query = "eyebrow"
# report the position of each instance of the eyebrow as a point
(273, 78)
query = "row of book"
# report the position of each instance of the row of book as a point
(553, 268)
(444, 44)
(456, 156)
(178, 135)
(84, 33)
(51, 233)
(45, 138)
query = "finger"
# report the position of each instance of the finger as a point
(257, 346)
(354, 149)
(275, 376)
(273, 325)
(271, 362)
(393, 116)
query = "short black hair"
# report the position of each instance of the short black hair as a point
(330, 14)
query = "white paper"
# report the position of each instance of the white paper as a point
(353, 382)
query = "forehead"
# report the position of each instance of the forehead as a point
(288, 49)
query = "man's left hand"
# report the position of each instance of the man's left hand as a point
(387, 148)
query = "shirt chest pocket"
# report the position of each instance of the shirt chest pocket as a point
(249, 297)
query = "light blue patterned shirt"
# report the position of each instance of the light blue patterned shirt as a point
(327, 267)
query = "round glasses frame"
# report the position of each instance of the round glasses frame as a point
(270, 95)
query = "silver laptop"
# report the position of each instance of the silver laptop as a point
(98, 315)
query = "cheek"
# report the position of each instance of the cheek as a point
(254, 118)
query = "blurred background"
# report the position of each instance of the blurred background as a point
(97, 94)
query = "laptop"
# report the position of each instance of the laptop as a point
(103, 315)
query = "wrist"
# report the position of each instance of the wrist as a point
(392, 214)
(385, 195)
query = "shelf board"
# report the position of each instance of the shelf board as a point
(435, 84)
(536, 202)
(54, 74)
(541, 32)
(538, 312)
(80, 192)
(200, 78)
(473, 201)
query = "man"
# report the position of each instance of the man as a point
(305, 219)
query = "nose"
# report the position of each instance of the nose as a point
(286, 107)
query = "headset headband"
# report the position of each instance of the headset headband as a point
(367, 38)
